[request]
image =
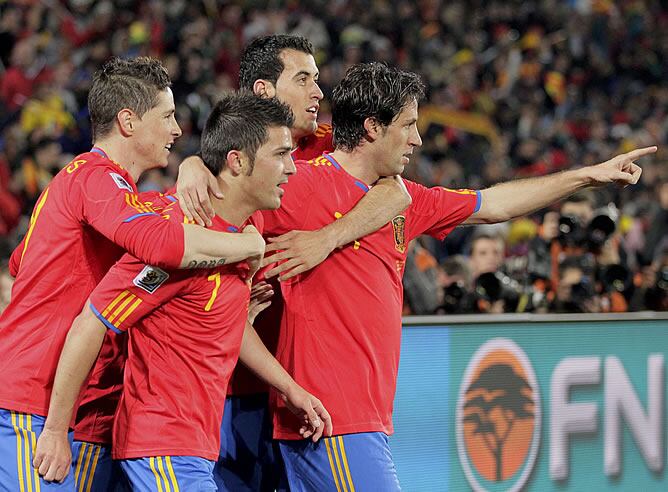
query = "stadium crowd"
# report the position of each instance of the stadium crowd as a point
(515, 89)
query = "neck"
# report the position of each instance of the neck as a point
(357, 163)
(234, 208)
(118, 150)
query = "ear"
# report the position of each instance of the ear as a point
(234, 162)
(264, 88)
(373, 128)
(127, 120)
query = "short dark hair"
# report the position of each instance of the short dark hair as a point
(133, 84)
(239, 122)
(261, 58)
(370, 90)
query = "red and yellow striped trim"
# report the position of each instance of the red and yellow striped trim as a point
(121, 307)
(323, 129)
(142, 207)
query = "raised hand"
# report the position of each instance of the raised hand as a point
(621, 169)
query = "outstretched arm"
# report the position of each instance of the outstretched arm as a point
(304, 250)
(513, 199)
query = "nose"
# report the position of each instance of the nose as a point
(289, 167)
(317, 93)
(416, 140)
(176, 129)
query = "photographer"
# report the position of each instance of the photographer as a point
(456, 284)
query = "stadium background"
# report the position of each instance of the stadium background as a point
(515, 89)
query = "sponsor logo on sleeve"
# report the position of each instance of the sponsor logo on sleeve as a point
(150, 278)
(121, 182)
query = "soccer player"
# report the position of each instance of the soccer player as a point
(341, 327)
(185, 329)
(81, 223)
(283, 67)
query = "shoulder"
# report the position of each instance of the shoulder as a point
(323, 130)
(92, 167)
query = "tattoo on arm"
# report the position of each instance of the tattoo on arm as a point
(206, 263)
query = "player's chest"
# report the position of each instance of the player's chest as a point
(214, 297)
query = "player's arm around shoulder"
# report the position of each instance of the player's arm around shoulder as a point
(302, 250)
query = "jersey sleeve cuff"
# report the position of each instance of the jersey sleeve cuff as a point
(104, 320)
(478, 201)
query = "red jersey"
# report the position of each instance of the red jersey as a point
(268, 322)
(89, 209)
(341, 328)
(185, 332)
(95, 415)
(312, 146)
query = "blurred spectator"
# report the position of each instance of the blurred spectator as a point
(421, 277)
(6, 282)
(456, 282)
(515, 89)
(487, 254)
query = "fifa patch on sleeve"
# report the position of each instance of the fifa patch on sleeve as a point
(121, 182)
(150, 278)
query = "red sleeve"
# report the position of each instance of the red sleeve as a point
(293, 211)
(109, 204)
(437, 211)
(15, 259)
(131, 290)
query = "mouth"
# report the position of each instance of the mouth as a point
(281, 190)
(313, 109)
(168, 147)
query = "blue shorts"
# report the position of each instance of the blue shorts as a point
(249, 459)
(18, 437)
(352, 462)
(170, 473)
(94, 470)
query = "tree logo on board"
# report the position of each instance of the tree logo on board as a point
(498, 418)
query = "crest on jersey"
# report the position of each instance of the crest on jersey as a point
(150, 278)
(121, 182)
(399, 228)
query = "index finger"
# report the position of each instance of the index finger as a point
(184, 204)
(206, 206)
(638, 153)
(273, 246)
(326, 418)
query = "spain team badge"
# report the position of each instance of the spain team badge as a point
(399, 228)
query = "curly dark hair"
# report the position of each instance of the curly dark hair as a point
(370, 90)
